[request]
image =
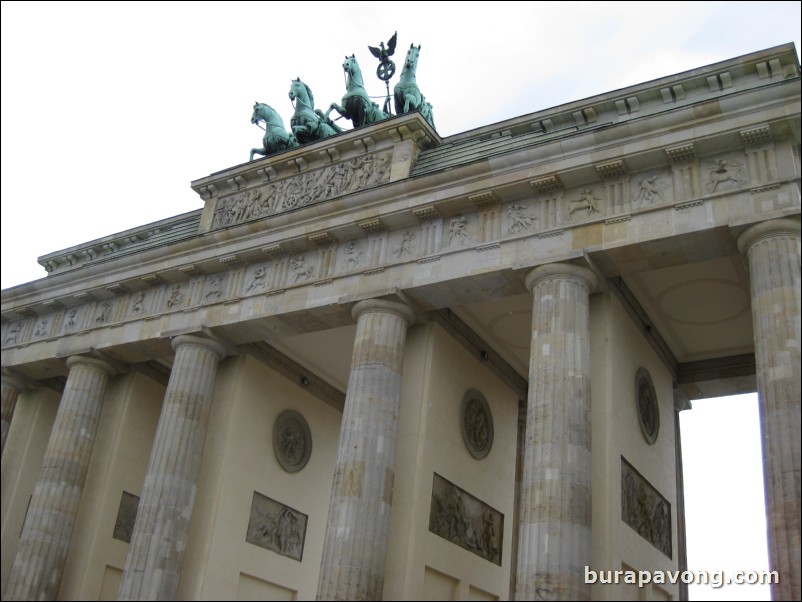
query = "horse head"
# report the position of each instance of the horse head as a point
(411, 61)
(299, 90)
(354, 73)
(266, 113)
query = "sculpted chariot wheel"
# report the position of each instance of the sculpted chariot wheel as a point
(385, 70)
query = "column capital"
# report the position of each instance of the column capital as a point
(15, 382)
(769, 229)
(96, 363)
(561, 270)
(381, 306)
(212, 345)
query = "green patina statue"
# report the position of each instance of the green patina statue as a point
(407, 95)
(308, 124)
(357, 105)
(276, 138)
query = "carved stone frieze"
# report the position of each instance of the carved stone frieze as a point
(651, 188)
(644, 509)
(277, 527)
(465, 520)
(724, 174)
(303, 189)
(126, 517)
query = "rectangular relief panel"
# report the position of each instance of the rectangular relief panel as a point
(644, 509)
(465, 520)
(276, 527)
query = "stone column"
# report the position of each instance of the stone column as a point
(12, 387)
(159, 539)
(555, 535)
(681, 403)
(355, 546)
(45, 539)
(773, 249)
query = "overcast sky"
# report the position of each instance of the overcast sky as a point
(111, 109)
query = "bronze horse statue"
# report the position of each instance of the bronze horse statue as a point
(406, 93)
(309, 124)
(357, 105)
(276, 138)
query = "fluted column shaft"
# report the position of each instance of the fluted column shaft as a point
(159, 539)
(773, 249)
(11, 389)
(555, 533)
(39, 563)
(355, 546)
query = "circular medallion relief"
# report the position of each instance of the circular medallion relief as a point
(477, 424)
(648, 410)
(292, 441)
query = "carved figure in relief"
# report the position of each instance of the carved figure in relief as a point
(289, 533)
(176, 297)
(457, 230)
(476, 425)
(307, 123)
(662, 529)
(103, 315)
(518, 220)
(489, 537)
(276, 138)
(136, 302)
(405, 248)
(353, 254)
(650, 189)
(215, 286)
(258, 279)
(292, 443)
(14, 332)
(724, 173)
(71, 323)
(586, 202)
(301, 269)
(41, 328)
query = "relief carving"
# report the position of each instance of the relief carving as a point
(214, 287)
(12, 337)
(71, 322)
(42, 328)
(353, 254)
(644, 509)
(458, 231)
(292, 441)
(104, 312)
(465, 520)
(276, 527)
(126, 517)
(257, 279)
(651, 190)
(648, 409)
(303, 270)
(243, 207)
(586, 202)
(477, 424)
(177, 297)
(137, 303)
(406, 247)
(304, 189)
(725, 175)
(519, 221)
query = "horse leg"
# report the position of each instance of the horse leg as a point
(335, 107)
(257, 151)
